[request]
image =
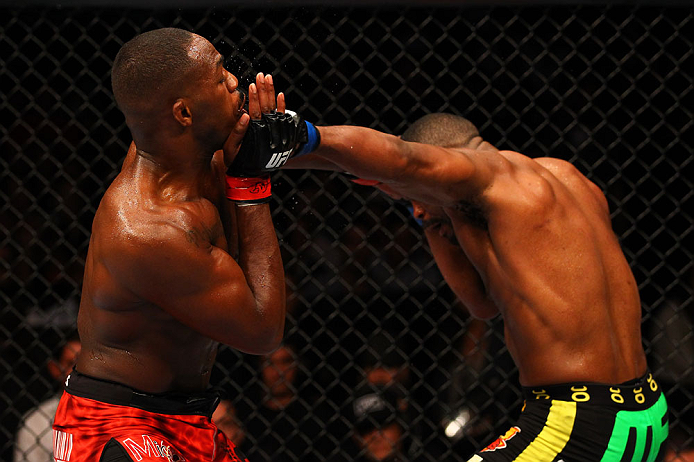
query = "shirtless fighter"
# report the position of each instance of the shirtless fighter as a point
(529, 239)
(174, 268)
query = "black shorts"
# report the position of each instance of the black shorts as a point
(586, 422)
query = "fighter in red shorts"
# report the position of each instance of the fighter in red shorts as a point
(183, 256)
(106, 421)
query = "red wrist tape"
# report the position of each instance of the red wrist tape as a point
(249, 190)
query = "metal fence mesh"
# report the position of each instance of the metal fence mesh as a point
(604, 87)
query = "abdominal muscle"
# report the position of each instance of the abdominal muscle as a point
(144, 348)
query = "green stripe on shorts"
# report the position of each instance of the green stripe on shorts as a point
(638, 423)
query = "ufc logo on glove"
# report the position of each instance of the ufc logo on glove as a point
(278, 159)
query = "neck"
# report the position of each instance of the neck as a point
(180, 174)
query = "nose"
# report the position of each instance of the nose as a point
(232, 82)
(418, 211)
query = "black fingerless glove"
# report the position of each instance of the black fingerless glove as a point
(271, 141)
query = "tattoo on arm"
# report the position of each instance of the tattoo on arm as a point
(193, 237)
(199, 237)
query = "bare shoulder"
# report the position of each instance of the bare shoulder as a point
(156, 251)
(558, 167)
(522, 180)
(545, 174)
(571, 177)
(135, 230)
(536, 188)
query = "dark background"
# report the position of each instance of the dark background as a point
(605, 87)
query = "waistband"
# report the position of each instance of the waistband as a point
(639, 393)
(84, 386)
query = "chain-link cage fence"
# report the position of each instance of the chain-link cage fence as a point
(608, 88)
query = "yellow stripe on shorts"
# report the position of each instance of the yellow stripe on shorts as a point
(554, 435)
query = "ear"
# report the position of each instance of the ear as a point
(182, 113)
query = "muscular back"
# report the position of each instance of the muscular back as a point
(533, 240)
(551, 263)
(126, 336)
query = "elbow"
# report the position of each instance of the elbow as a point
(262, 345)
(271, 342)
(260, 335)
(483, 315)
(483, 311)
(263, 350)
(269, 337)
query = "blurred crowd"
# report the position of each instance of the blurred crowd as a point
(388, 396)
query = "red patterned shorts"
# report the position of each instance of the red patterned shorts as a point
(105, 421)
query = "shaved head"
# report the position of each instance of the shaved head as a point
(148, 68)
(162, 78)
(445, 130)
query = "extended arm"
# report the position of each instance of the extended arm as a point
(423, 172)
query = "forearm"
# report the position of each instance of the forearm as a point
(366, 153)
(412, 170)
(227, 214)
(231, 232)
(461, 276)
(261, 263)
(312, 162)
(360, 151)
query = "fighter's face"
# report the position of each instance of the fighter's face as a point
(434, 220)
(216, 92)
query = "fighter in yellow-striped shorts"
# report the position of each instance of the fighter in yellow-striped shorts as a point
(586, 422)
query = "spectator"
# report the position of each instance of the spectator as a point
(384, 362)
(283, 427)
(34, 439)
(379, 425)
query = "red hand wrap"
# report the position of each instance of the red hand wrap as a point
(249, 190)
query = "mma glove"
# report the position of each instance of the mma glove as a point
(266, 147)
